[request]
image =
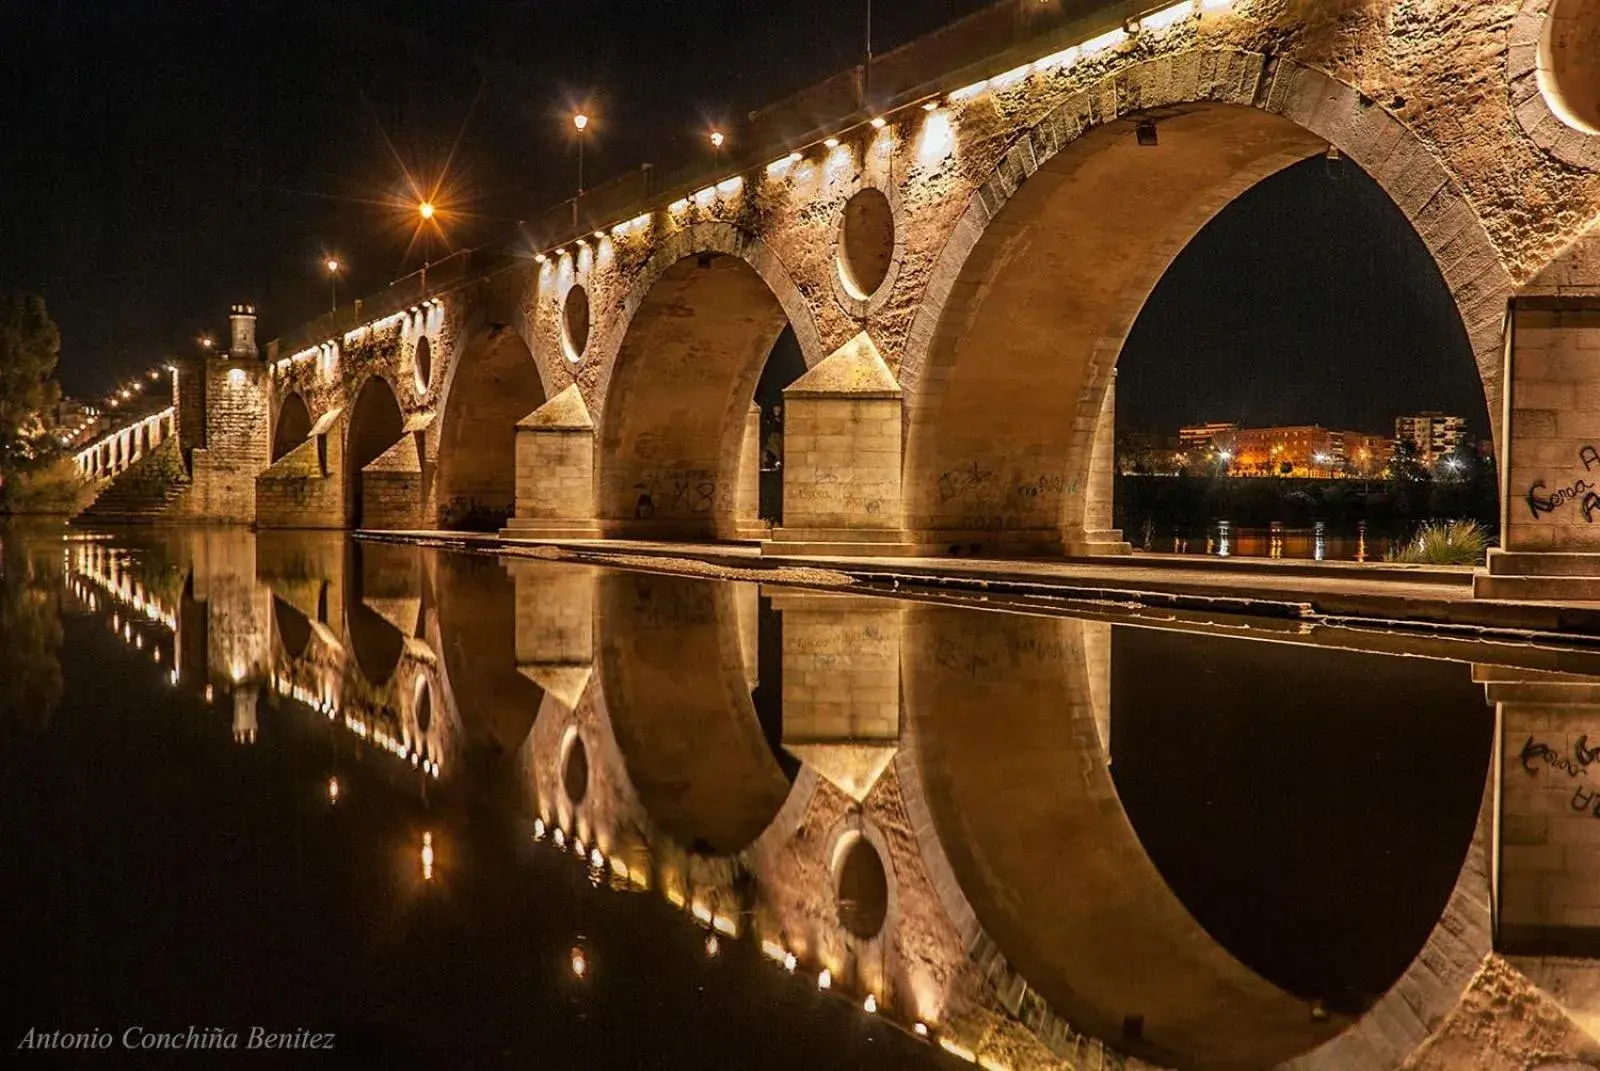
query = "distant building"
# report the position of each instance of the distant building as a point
(1198, 438)
(1366, 455)
(76, 421)
(1435, 434)
(1296, 450)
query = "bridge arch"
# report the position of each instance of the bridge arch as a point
(475, 615)
(1030, 301)
(376, 423)
(692, 744)
(494, 383)
(678, 370)
(292, 426)
(1070, 948)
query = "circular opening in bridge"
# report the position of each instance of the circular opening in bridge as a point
(575, 769)
(575, 322)
(866, 242)
(424, 364)
(1569, 63)
(424, 705)
(863, 887)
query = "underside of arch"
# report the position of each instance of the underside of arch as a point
(691, 741)
(376, 424)
(1009, 360)
(477, 633)
(671, 447)
(1095, 931)
(293, 426)
(494, 384)
(1010, 395)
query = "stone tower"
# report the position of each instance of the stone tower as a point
(233, 429)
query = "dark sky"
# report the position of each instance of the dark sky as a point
(1309, 300)
(160, 161)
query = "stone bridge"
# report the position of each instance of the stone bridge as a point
(959, 241)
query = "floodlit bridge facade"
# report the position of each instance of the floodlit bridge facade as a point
(960, 254)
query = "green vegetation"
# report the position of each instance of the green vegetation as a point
(46, 487)
(30, 623)
(33, 478)
(1443, 543)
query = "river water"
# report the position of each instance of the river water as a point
(459, 810)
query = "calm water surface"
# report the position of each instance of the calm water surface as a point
(463, 811)
(1315, 542)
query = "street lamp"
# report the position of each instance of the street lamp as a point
(580, 123)
(425, 210)
(717, 138)
(333, 267)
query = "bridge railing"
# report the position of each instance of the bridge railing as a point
(116, 450)
(982, 44)
(459, 268)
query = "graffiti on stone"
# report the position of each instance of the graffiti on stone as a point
(963, 482)
(675, 493)
(1534, 752)
(1586, 801)
(1581, 491)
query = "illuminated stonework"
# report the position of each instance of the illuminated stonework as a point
(1553, 67)
(1012, 176)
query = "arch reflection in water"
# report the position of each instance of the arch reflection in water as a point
(1031, 835)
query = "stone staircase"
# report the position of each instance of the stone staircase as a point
(143, 491)
(1539, 577)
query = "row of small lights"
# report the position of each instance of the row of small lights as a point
(114, 400)
(328, 707)
(154, 612)
(1156, 20)
(111, 436)
(120, 627)
(132, 593)
(331, 348)
(719, 926)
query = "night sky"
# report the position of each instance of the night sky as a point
(1309, 300)
(160, 162)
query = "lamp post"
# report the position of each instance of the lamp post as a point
(580, 123)
(333, 267)
(717, 138)
(425, 210)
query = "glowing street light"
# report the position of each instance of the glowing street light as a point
(333, 266)
(425, 210)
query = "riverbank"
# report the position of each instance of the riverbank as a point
(1419, 597)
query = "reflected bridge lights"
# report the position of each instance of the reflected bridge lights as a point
(427, 856)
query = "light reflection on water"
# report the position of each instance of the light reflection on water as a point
(649, 798)
(1316, 542)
